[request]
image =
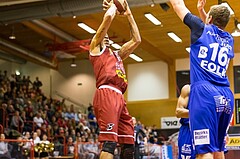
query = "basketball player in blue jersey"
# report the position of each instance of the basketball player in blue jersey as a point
(185, 149)
(210, 99)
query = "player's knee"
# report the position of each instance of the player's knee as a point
(127, 151)
(109, 146)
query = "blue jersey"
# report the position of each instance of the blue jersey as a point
(184, 121)
(211, 51)
(211, 100)
(185, 147)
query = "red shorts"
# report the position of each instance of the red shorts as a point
(113, 118)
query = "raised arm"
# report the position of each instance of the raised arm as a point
(181, 111)
(104, 26)
(135, 40)
(201, 11)
(180, 8)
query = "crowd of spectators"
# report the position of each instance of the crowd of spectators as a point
(27, 113)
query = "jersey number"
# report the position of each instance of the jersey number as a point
(222, 58)
(185, 157)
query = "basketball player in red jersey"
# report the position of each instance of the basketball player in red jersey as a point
(109, 105)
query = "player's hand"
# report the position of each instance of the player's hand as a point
(107, 4)
(201, 4)
(127, 12)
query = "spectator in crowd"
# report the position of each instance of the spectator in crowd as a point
(91, 149)
(26, 146)
(4, 151)
(37, 84)
(10, 113)
(36, 141)
(70, 146)
(17, 122)
(17, 149)
(92, 119)
(140, 140)
(78, 116)
(38, 120)
(44, 154)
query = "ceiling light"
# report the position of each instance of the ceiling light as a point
(74, 16)
(116, 46)
(188, 49)
(87, 28)
(174, 37)
(12, 36)
(17, 72)
(154, 20)
(236, 31)
(228, 6)
(238, 25)
(73, 64)
(136, 58)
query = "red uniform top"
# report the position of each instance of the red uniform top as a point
(108, 69)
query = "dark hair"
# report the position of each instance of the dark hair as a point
(220, 15)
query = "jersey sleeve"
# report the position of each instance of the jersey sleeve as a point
(195, 24)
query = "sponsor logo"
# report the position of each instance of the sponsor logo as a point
(234, 141)
(201, 137)
(110, 126)
(170, 122)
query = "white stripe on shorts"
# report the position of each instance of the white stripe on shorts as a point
(126, 136)
(110, 87)
(107, 132)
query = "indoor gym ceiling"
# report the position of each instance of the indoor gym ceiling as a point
(38, 24)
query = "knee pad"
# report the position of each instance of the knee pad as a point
(109, 146)
(127, 151)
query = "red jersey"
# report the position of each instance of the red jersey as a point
(108, 69)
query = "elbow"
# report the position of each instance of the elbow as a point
(138, 41)
(177, 114)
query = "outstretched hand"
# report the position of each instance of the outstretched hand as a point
(107, 4)
(201, 4)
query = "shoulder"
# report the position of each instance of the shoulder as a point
(185, 90)
(98, 53)
(192, 20)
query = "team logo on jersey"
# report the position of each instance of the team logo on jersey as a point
(222, 104)
(120, 68)
(186, 148)
(110, 126)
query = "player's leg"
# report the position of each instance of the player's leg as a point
(126, 134)
(226, 101)
(185, 148)
(106, 107)
(203, 120)
(219, 155)
(108, 150)
(205, 156)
